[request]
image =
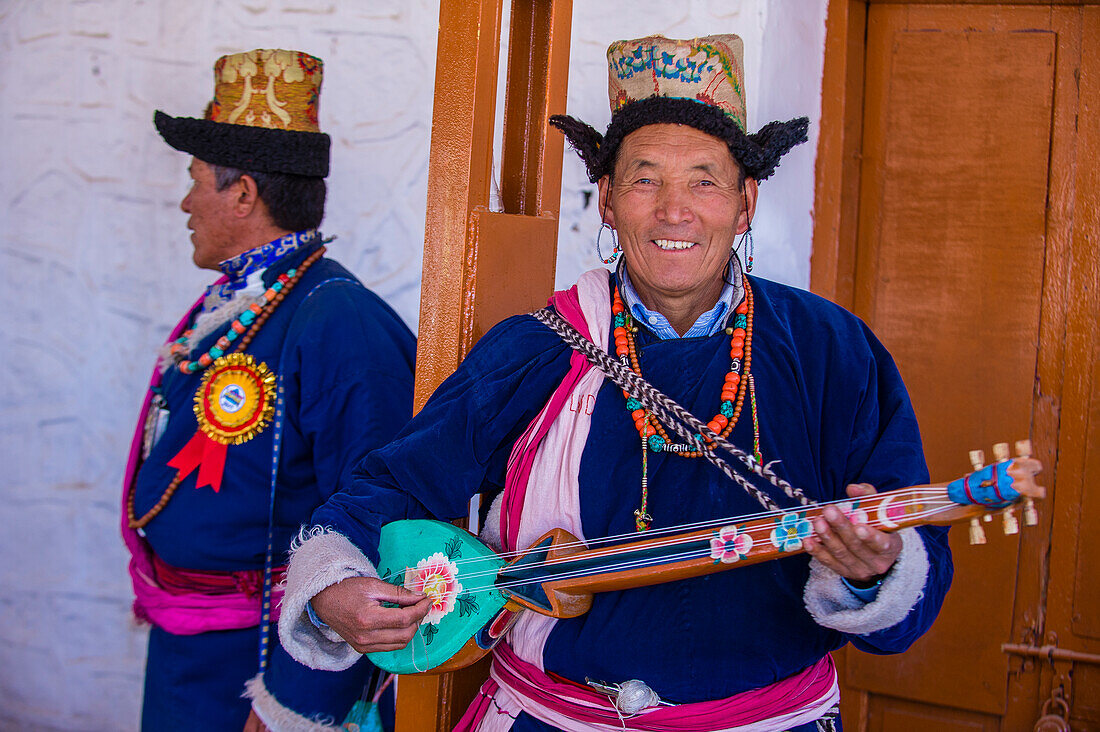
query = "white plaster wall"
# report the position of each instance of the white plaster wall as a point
(95, 260)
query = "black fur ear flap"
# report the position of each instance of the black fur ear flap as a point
(584, 139)
(775, 140)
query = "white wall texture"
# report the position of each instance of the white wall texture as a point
(95, 258)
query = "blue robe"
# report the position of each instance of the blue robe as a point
(832, 409)
(346, 364)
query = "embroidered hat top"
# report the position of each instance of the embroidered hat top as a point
(708, 70)
(698, 82)
(263, 116)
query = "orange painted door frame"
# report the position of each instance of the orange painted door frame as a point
(480, 265)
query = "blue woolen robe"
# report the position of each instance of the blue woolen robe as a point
(346, 364)
(832, 410)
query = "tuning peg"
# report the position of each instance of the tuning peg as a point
(977, 459)
(977, 534)
(1012, 526)
(1000, 451)
(1031, 516)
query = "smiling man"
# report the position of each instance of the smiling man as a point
(797, 385)
(284, 373)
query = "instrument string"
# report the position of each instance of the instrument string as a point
(757, 533)
(640, 563)
(920, 493)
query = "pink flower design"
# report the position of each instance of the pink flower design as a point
(729, 544)
(437, 577)
(853, 512)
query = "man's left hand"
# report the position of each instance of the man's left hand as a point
(855, 552)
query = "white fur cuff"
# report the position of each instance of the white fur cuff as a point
(832, 605)
(277, 717)
(321, 557)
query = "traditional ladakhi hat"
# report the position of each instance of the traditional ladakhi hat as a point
(698, 82)
(263, 117)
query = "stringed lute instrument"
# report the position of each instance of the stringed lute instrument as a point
(478, 594)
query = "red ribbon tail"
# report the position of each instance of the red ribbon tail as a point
(205, 454)
(213, 465)
(190, 456)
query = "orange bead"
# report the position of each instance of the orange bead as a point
(237, 327)
(738, 332)
(737, 352)
(205, 360)
(713, 426)
(728, 395)
(737, 342)
(743, 307)
(721, 421)
(649, 431)
(733, 379)
(638, 414)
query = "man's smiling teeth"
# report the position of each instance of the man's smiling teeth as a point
(673, 244)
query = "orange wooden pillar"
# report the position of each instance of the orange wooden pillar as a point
(481, 266)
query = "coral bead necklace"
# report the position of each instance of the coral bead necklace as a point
(738, 379)
(733, 388)
(245, 325)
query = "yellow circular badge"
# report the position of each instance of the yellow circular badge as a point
(236, 399)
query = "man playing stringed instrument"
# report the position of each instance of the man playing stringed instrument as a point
(801, 392)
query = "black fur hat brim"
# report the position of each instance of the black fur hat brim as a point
(247, 148)
(758, 153)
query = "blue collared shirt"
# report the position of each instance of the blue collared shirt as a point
(707, 324)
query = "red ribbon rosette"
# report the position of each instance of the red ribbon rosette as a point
(234, 403)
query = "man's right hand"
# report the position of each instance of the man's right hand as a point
(353, 608)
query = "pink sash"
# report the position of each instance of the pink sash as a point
(545, 465)
(190, 612)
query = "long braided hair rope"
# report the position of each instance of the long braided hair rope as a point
(681, 421)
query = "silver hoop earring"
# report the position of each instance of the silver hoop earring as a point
(615, 248)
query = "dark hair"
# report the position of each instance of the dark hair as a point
(758, 154)
(295, 202)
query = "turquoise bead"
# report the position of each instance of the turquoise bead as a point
(291, 272)
(216, 352)
(740, 321)
(620, 321)
(193, 366)
(231, 335)
(277, 286)
(727, 410)
(247, 317)
(656, 443)
(633, 404)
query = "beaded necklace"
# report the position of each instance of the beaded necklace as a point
(245, 325)
(653, 435)
(242, 331)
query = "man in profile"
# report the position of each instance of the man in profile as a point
(283, 374)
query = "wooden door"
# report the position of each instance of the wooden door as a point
(957, 214)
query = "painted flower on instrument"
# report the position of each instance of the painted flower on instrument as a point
(853, 512)
(790, 529)
(437, 577)
(729, 544)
